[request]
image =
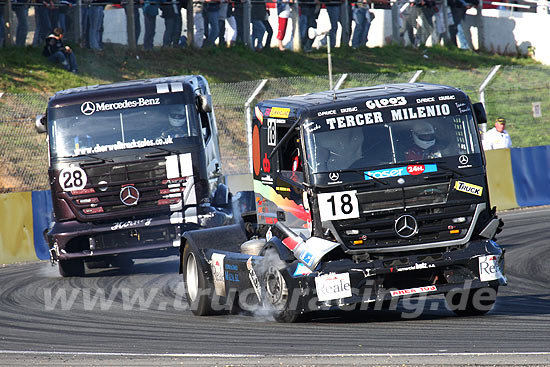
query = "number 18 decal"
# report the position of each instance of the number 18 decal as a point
(339, 205)
(72, 178)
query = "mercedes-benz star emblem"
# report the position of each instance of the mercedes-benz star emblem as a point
(129, 195)
(463, 159)
(334, 176)
(87, 108)
(406, 226)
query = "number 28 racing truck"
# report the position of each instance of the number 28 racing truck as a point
(132, 166)
(362, 195)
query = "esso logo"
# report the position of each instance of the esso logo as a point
(386, 102)
(415, 169)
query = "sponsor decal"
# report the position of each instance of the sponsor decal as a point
(334, 176)
(311, 126)
(131, 223)
(412, 169)
(406, 292)
(333, 286)
(419, 266)
(301, 270)
(267, 179)
(326, 113)
(425, 100)
(307, 258)
(488, 268)
(463, 160)
(279, 112)
(232, 273)
(283, 189)
(88, 108)
(254, 279)
(468, 188)
(446, 98)
(386, 102)
(179, 180)
(412, 113)
(72, 178)
(348, 109)
(266, 164)
(217, 265)
(124, 145)
(360, 119)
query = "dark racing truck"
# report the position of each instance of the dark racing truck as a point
(132, 166)
(362, 196)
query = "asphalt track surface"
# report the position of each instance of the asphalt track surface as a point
(140, 318)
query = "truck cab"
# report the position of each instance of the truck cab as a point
(362, 195)
(132, 166)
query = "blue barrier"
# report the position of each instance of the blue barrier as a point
(42, 218)
(531, 173)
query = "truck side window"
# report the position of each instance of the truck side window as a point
(205, 126)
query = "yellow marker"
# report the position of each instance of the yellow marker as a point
(468, 188)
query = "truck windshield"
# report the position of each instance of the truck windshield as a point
(376, 144)
(95, 127)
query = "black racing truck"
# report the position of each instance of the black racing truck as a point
(362, 196)
(132, 166)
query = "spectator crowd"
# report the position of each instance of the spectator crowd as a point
(222, 22)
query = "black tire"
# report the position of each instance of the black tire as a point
(275, 291)
(198, 289)
(71, 267)
(478, 301)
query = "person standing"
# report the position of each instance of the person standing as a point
(150, 12)
(497, 137)
(362, 17)
(96, 23)
(21, 10)
(258, 13)
(171, 13)
(212, 8)
(283, 11)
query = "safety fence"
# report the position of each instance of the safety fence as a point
(520, 94)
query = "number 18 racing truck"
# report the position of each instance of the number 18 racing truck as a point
(132, 166)
(361, 195)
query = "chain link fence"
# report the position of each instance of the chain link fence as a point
(518, 93)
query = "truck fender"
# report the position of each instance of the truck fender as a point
(284, 253)
(226, 238)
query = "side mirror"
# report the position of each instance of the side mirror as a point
(205, 103)
(40, 123)
(479, 111)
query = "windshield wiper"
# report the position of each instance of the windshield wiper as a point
(99, 160)
(163, 151)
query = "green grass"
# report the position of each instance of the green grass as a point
(28, 78)
(25, 70)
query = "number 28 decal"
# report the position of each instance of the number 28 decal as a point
(72, 178)
(339, 205)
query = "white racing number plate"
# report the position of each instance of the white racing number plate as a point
(338, 205)
(488, 268)
(333, 286)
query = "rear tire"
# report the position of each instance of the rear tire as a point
(71, 267)
(478, 302)
(198, 289)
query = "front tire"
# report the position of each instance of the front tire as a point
(477, 302)
(198, 289)
(71, 267)
(275, 291)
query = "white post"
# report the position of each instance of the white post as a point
(248, 117)
(482, 90)
(415, 76)
(340, 81)
(329, 62)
